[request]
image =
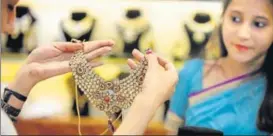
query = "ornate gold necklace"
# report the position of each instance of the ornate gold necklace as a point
(108, 96)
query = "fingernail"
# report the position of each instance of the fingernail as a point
(149, 51)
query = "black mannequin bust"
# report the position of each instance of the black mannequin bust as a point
(79, 26)
(199, 30)
(16, 42)
(131, 30)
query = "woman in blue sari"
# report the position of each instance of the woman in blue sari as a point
(234, 93)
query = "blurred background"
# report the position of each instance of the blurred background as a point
(175, 29)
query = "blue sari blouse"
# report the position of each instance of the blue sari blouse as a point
(233, 111)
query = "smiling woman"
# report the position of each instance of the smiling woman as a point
(233, 93)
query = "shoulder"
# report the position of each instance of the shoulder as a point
(193, 62)
(191, 66)
(196, 68)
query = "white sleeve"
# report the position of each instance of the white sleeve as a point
(2, 89)
(7, 127)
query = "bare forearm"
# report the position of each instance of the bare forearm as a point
(13, 101)
(22, 84)
(138, 117)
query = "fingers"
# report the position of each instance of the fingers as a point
(88, 46)
(93, 45)
(98, 52)
(59, 68)
(162, 61)
(55, 68)
(167, 65)
(152, 61)
(137, 55)
(170, 67)
(67, 46)
(131, 64)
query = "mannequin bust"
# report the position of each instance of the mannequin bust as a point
(24, 34)
(79, 25)
(134, 32)
(199, 29)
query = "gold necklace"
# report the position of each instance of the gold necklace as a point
(108, 96)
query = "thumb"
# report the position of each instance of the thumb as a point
(68, 46)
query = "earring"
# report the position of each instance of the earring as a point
(107, 96)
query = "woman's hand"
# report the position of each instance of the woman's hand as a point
(160, 79)
(53, 60)
(159, 83)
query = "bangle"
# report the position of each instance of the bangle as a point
(8, 93)
(11, 111)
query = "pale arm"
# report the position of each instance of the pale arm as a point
(22, 84)
(140, 114)
(156, 91)
(172, 123)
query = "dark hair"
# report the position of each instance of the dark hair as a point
(265, 116)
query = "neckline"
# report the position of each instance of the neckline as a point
(253, 75)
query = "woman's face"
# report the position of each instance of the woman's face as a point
(7, 15)
(248, 29)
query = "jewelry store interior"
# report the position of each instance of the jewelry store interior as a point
(176, 30)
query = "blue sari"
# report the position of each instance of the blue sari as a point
(233, 111)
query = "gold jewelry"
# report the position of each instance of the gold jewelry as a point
(107, 96)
